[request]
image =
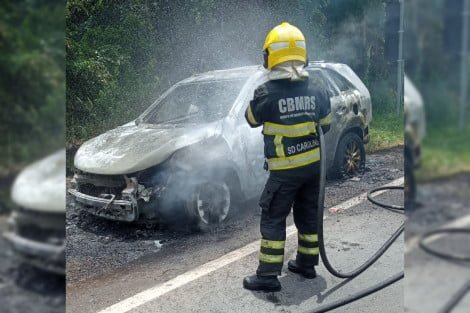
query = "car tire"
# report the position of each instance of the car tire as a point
(350, 157)
(210, 204)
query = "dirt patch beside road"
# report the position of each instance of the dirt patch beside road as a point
(439, 201)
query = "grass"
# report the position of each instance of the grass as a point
(385, 131)
(445, 152)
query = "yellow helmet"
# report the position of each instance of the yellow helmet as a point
(284, 42)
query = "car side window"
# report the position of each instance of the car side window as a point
(318, 78)
(339, 80)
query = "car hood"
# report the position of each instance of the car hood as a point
(131, 147)
(41, 186)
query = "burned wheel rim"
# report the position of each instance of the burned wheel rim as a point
(212, 203)
(352, 158)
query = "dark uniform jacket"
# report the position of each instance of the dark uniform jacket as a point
(289, 112)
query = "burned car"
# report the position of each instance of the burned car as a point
(415, 122)
(192, 154)
(415, 130)
(37, 224)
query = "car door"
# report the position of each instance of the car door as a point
(349, 96)
(252, 147)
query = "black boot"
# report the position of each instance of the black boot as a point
(263, 283)
(307, 272)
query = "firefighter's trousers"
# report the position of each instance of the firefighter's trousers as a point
(283, 191)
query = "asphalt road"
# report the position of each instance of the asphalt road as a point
(431, 282)
(96, 247)
(191, 273)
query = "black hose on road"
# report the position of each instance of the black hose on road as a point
(390, 207)
(359, 295)
(354, 273)
(460, 294)
(456, 298)
(440, 254)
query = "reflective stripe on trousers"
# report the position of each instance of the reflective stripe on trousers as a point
(308, 244)
(271, 257)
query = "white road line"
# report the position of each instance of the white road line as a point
(159, 290)
(413, 243)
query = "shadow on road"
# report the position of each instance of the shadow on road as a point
(295, 290)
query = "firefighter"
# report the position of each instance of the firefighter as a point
(289, 106)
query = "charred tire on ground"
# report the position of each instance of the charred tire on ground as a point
(350, 157)
(213, 201)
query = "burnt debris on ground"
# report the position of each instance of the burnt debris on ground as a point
(439, 201)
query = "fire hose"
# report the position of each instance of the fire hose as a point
(460, 294)
(359, 270)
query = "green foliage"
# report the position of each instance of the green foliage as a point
(32, 82)
(122, 54)
(386, 131)
(384, 99)
(109, 63)
(434, 69)
(446, 151)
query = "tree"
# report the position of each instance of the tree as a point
(32, 82)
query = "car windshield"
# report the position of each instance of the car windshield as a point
(198, 102)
